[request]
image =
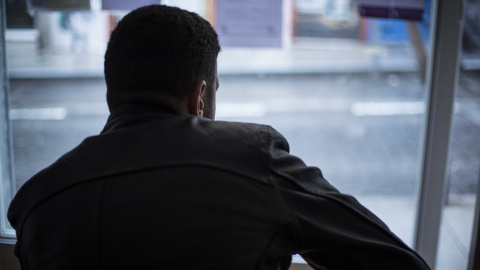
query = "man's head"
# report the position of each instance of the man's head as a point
(163, 55)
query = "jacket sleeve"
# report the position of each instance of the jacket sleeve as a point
(338, 232)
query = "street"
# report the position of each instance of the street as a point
(362, 130)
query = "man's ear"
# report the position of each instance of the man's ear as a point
(195, 102)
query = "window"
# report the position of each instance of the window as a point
(351, 94)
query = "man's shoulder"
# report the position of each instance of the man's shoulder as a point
(255, 135)
(234, 130)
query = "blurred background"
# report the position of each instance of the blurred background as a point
(342, 80)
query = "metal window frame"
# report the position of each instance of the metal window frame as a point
(442, 78)
(474, 257)
(7, 179)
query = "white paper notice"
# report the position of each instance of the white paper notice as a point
(249, 23)
(126, 4)
(60, 5)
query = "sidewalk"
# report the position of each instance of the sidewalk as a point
(455, 232)
(303, 56)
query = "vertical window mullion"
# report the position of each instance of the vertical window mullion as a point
(7, 180)
(474, 257)
(441, 84)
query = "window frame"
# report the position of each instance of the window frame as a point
(441, 84)
(7, 181)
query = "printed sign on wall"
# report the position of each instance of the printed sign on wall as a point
(61, 5)
(126, 4)
(394, 9)
(249, 23)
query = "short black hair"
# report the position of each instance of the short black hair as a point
(157, 54)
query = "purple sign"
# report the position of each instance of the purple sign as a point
(58, 5)
(392, 9)
(126, 4)
(249, 23)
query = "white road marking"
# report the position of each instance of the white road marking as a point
(387, 108)
(248, 109)
(241, 110)
(38, 114)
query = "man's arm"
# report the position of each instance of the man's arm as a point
(338, 232)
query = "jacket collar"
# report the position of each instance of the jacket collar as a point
(120, 114)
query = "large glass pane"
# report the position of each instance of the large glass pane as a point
(464, 157)
(348, 94)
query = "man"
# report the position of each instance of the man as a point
(166, 187)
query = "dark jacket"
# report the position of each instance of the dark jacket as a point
(157, 190)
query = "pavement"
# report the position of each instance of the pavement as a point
(340, 58)
(305, 55)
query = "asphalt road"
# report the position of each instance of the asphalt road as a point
(362, 130)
